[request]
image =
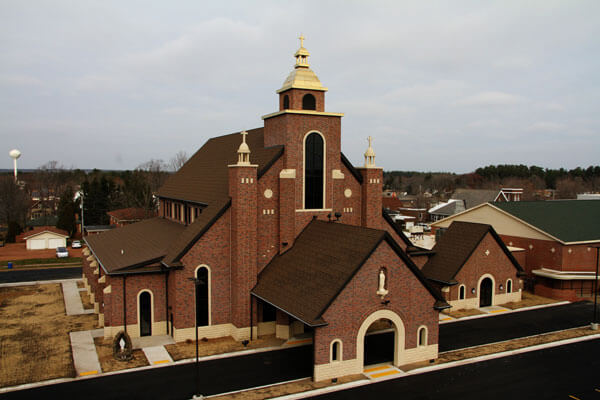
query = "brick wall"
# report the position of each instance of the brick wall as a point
(371, 201)
(295, 97)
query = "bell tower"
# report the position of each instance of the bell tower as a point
(312, 140)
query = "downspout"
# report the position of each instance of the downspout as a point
(124, 306)
(251, 317)
(167, 301)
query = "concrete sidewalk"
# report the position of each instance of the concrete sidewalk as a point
(73, 305)
(85, 356)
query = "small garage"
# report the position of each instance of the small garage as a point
(46, 238)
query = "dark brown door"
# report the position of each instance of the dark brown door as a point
(485, 293)
(145, 314)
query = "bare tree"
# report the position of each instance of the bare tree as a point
(178, 160)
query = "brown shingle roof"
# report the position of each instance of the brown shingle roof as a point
(204, 178)
(305, 280)
(455, 247)
(131, 214)
(142, 243)
(41, 229)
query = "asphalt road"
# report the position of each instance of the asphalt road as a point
(458, 335)
(555, 373)
(46, 274)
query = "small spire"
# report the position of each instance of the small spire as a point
(370, 155)
(243, 151)
(302, 55)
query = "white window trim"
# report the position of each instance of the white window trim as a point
(419, 336)
(340, 350)
(511, 285)
(139, 320)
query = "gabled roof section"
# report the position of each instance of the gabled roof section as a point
(566, 220)
(455, 247)
(306, 279)
(475, 197)
(133, 246)
(44, 229)
(452, 207)
(204, 178)
(351, 168)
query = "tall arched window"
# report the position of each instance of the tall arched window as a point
(202, 303)
(145, 312)
(461, 292)
(422, 336)
(336, 350)
(286, 102)
(509, 286)
(309, 102)
(313, 164)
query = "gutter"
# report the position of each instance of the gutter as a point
(288, 313)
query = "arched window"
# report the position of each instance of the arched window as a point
(336, 350)
(509, 286)
(461, 292)
(286, 102)
(202, 291)
(422, 336)
(309, 102)
(313, 164)
(145, 313)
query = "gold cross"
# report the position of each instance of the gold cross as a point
(244, 133)
(301, 37)
(369, 139)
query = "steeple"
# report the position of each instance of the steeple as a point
(302, 77)
(243, 151)
(370, 155)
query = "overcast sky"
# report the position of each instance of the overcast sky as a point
(442, 86)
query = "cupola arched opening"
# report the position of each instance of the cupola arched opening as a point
(313, 169)
(286, 102)
(309, 102)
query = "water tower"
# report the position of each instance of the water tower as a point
(14, 154)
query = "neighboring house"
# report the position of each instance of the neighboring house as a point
(558, 237)
(473, 267)
(126, 216)
(283, 235)
(464, 199)
(48, 220)
(96, 229)
(44, 237)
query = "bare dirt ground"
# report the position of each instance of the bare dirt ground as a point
(108, 362)
(462, 313)
(18, 251)
(34, 334)
(288, 388)
(504, 346)
(208, 347)
(529, 300)
(85, 300)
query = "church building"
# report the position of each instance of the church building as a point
(271, 231)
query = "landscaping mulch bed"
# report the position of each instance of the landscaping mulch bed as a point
(108, 362)
(208, 347)
(529, 300)
(462, 313)
(288, 388)
(85, 300)
(34, 334)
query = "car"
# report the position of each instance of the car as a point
(62, 252)
(76, 244)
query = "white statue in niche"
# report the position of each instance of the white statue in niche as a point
(382, 291)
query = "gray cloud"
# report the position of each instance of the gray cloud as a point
(440, 86)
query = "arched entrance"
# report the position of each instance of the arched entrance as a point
(379, 342)
(378, 349)
(145, 304)
(485, 292)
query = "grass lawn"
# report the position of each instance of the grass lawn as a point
(34, 334)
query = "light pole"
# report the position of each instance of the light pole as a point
(595, 320)
(197, 395)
